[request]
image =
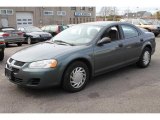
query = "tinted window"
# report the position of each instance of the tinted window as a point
(129, 31)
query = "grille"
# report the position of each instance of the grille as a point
(15, 70)
(34, 81)
(18, 63)
(17, 80)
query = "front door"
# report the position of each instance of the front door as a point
(111, 54)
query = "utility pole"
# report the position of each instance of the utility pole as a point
(137, 13)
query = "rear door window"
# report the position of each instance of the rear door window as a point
(129, 31)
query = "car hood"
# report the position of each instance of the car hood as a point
(42, 51)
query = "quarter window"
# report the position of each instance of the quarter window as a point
(129, 32)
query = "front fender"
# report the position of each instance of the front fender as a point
(69, 59)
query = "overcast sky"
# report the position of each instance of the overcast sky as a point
(133, 9)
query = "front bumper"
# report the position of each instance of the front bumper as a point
(35, 78)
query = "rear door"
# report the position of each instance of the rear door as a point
(132, 42)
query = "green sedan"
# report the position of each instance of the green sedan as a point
(79, 53)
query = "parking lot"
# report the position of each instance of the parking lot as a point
(129, 89)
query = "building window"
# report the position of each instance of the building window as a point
(18, 19)
(82, 8)
(80, 20)
(73, 8)
(48, 13)
(77, 21)
(86, 19)
(90, 8)
(61, 13)
(6, 11)
(90, 19)
(70, 21)
(83, 19)
(73, 20)
(29, 22)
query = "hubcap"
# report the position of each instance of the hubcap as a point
(78, 77)
(146, 57)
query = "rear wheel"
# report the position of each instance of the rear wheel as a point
(29, 41)
(145, 58)
(75, 77)
(7, 44)
(1, 55)
(19, 44)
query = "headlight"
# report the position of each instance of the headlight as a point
(44, 64)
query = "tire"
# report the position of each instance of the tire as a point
(19, 44)
(145, 58)
(29, 41)
(70, 82)
(156, 34)
(1, 55)
(7, 44)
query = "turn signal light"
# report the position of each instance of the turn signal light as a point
(53, 64)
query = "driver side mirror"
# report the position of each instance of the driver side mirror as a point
(104, 41)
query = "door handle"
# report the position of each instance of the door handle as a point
(120, 45)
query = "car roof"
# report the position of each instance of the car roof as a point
(106, 23)
(101, 23)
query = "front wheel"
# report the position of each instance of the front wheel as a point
(1, 55)
(156, 34)
(75, 77)
(145, 58)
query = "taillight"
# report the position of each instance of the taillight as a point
(5, 35)
(1, 42)
(58, 30)
(20, 33)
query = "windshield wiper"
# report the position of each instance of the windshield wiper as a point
(63, 42)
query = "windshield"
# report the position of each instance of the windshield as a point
(78, 34)
(8, 29)
(33, 29)
(144, 22)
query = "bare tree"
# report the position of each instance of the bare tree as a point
(107, 11)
